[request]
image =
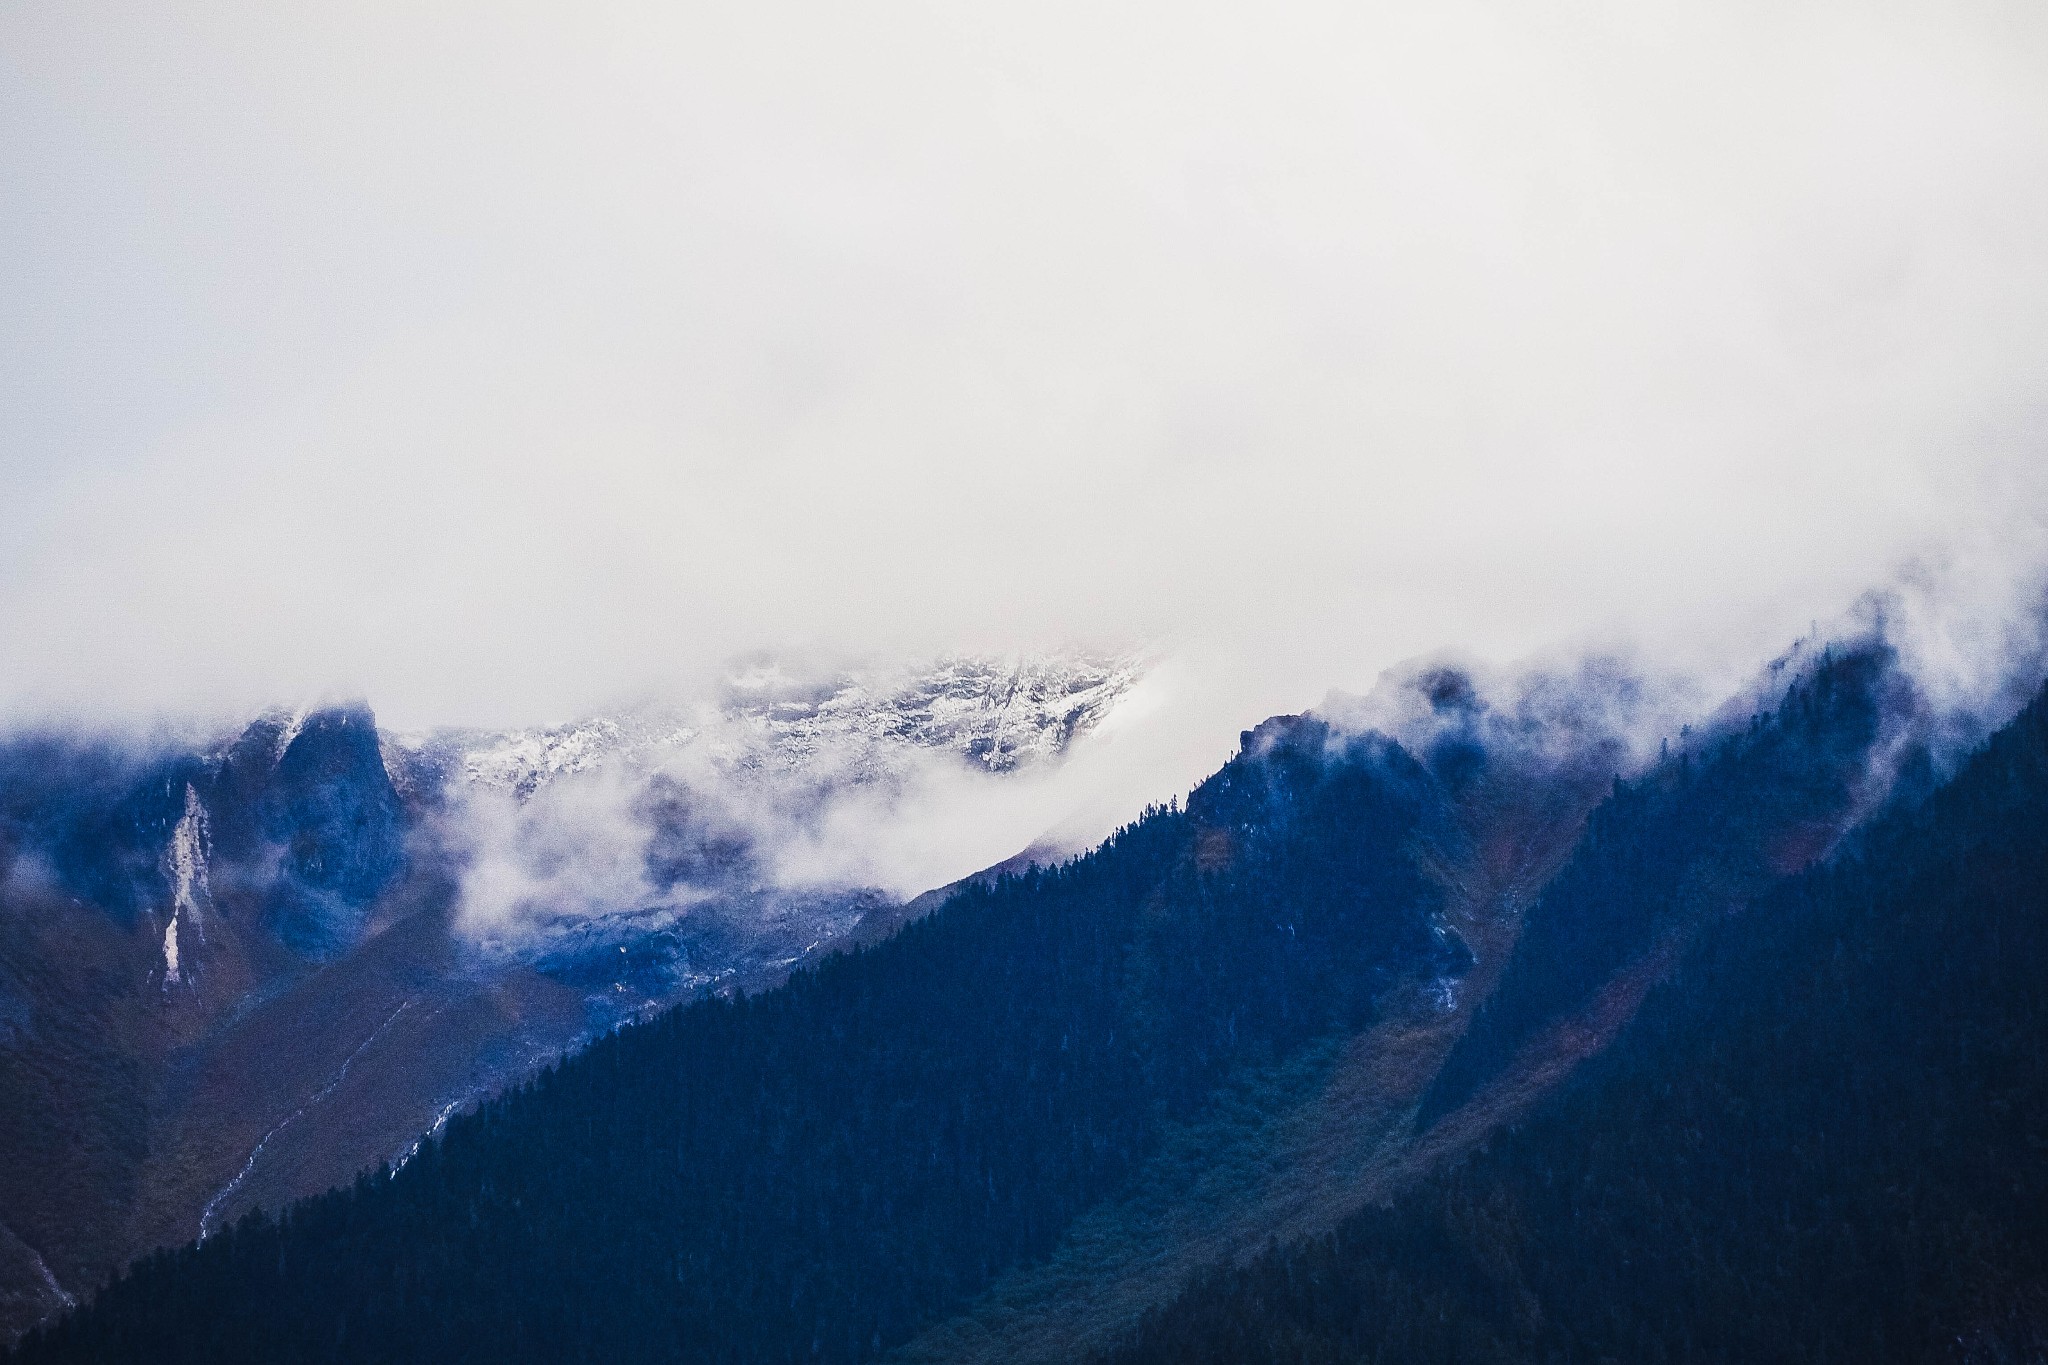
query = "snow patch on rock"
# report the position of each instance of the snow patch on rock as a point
(184, 868)
(185, 860)
(171, 952)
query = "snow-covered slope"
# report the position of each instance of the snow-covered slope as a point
(999, 714)
(664, 848)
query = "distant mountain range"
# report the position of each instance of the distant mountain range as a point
(1465, 1021)
(235, 973)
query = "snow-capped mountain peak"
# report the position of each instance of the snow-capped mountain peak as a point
(998, 714)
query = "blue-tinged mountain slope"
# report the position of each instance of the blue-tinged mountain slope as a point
(1695, 837)
(235, 970)
(331, 808)
(136, 946)
(1824, 1137)
(1294, 1153)
(816, 1172)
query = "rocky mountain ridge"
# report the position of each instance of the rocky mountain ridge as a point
(235, 973)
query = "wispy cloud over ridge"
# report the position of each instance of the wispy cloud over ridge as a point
(885, 780)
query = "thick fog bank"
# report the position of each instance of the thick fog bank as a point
(489, 362)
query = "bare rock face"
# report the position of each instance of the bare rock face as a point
(330, 807)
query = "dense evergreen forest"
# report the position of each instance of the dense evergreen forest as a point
(1823, 1138)
(1695, 837)
(814, 1172)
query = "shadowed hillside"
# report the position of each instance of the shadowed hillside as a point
(1824, 1137)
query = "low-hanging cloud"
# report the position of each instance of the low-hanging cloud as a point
(575, 854)
(492, 360)
(787, 789)
(595, 843)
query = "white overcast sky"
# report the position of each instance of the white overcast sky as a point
(492, 359)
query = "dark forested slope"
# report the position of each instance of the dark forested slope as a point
(1823, 1138)
(1696, 836)
(814, 1172)
(1744, 806)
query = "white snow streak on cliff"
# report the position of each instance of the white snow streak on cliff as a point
(171, 952)
(184, 866)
